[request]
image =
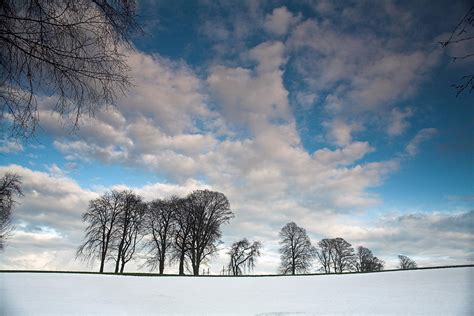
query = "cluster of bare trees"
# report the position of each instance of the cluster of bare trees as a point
(406, 263)
(335, 255)
(183, 230)
(114, 222)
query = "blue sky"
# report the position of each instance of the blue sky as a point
(337, 115)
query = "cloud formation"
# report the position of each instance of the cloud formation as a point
(423, 135)
(233, 123)
(280, 21)
(10, 146)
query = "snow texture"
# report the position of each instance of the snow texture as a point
(428, 292)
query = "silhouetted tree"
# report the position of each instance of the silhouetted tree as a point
(101, 218)
(243, 256)
(160, 224)
(335, 255)
(208, 211)
(406, 263)
(128, 227)
(9, 189)
(342, 255)
(462, 33)
(66, 49)
(181, 236)
(296, 252)
(366, 262)
(324, 254)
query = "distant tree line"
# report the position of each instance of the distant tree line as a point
(334, 255)
(187, 231)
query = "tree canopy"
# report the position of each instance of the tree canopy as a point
(71, 51)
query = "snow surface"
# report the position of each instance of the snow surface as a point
(430, 292)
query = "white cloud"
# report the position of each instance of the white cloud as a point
(253, 98)
(398, 121)
(344, 156)
(167, 91)
(280, 21)
(10, 146)
(371, 72)
(261, 148)
(363, 75)
(340, 132)
(423, 135)
(61, 196)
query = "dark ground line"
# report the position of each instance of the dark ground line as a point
(145, 274)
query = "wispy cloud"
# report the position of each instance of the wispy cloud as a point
(423, 135)
(10, 146)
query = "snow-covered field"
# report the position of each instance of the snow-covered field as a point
(430, 292)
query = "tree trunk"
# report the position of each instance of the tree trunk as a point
(117, 263)
(293, 270)
(196, 269)
(182, 257)
(122, 267)
(102, 261)
(101, 270)
(162, 266)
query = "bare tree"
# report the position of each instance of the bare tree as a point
(406, 263)
(9, 189)
(160, 222)
(324, 254)
(243, 256)
(182, 232)
(296, 250)
(70, 50)
(342, 255)
(461, 34)
(208, 211)
(128, 227)
(336, 255)
(366, 261)
(101, 218)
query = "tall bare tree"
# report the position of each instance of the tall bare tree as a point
(208, 211)
(336, 255)
(324, 253)
(128, 229)
(342, 256)
(296, 251)
(182, 233)
(101, 219)
(10, 187)
(406, 263)
(366, 261)
(243, 256)
(70, 50)
(160, 223)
